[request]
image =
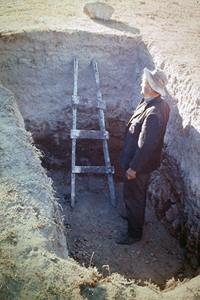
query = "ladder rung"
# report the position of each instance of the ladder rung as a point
(93, 169)
(89, 134)
(77, 100)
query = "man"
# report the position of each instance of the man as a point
(141, 151)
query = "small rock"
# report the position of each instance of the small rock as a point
(28, 249)
(79, 257)
(173, 199)
(147, 261)
(176, 223)
(172, 213)
(98, 10)
(138, 252)
(52, 256)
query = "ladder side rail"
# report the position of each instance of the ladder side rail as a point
(74, 114)
(104, 142)
(108, 164)
(75, 86)
(102, 127)
(75, 91)
(97, 83)
(100, 112)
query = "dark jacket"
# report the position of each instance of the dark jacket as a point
(144, 136)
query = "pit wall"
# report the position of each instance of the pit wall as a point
(175, 189)
(38, 68)
(33, 260)
(29, 209)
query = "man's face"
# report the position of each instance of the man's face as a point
(146, 89)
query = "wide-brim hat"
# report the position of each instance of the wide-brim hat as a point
(157, 80)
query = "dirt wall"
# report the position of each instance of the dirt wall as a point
(175, 188)
(38, 68)
(34, 261)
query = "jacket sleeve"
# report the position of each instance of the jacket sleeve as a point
(147, 143)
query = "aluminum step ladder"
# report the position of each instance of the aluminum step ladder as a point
(90, 134)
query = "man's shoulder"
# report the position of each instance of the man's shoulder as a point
(159, 110)
(164, 105)
(159, 104)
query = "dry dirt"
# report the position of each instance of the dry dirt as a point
(93, 224)
(172, 27)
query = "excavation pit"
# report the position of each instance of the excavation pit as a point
(43, 92)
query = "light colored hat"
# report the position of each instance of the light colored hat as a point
(157, 80)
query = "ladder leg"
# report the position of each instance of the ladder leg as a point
(112, 190)
(73, 174)
(102, 127)
(110, 177)
(74, 140)
(73, 190)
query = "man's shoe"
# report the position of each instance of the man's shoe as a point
(127, 239)
(124, 215)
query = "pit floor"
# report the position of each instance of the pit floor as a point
(91, 227)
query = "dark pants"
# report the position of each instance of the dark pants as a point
(134, 192)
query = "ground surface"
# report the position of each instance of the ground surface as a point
(93, 224)
(171, 26)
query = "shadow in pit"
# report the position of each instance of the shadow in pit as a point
(118, 26)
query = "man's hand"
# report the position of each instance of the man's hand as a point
(130, 174)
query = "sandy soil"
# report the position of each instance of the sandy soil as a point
(171, 26)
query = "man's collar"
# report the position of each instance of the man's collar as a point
(151, 100)
(148, 99)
